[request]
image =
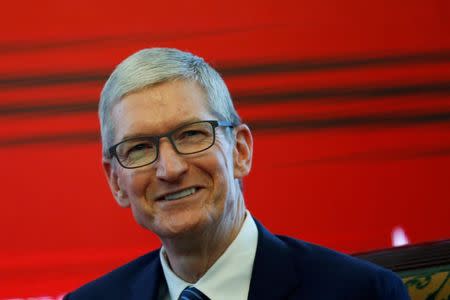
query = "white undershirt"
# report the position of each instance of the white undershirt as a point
(229, 277)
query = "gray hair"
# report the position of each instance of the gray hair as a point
(149, 67)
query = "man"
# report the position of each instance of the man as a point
(175, 152)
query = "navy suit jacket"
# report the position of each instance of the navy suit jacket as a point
(284, 268)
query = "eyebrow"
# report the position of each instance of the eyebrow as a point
(143, 135)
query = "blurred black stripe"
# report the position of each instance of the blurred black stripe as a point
(143, 38)
(334, 63)
(380, 120)
(373, 156)
(65, 138)
(352, 121)
(27, 81)
(260, 97)
(263, 97)
(49, 109)
(235, 69)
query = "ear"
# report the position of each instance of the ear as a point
(113, 180)
(243, 151)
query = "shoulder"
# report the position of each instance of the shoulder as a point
(329, 268)
(117, 284)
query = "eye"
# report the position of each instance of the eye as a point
(140, 147)
(191, 135)
(137, 151)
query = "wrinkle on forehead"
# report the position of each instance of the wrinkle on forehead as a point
(160, 108)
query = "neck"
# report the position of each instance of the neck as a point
(191, 256)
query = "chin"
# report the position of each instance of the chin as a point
(173, 227)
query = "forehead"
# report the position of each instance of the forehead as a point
(159, 108)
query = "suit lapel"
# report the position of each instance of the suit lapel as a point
(273, 275)
(148, 282)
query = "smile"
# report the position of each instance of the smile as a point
(180, 194)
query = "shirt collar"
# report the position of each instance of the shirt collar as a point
(232, 270)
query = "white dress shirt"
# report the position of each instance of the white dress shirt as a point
(229, 277)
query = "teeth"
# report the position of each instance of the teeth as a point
(180, 194)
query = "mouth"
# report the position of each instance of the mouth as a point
(178, 195)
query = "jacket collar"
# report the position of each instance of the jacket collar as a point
(274, 275)
(148, 282)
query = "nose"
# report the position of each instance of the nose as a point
(170, 165)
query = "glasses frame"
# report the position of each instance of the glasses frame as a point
(156, 139)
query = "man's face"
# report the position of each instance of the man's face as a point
(212, 173)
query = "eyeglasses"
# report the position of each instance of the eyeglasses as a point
(187, 139)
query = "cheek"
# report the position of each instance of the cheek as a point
(221, 168)
(136, 183)
(136, 187)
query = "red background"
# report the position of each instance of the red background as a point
(348, 101)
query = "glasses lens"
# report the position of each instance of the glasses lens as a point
(194, 137)
(137, 152)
